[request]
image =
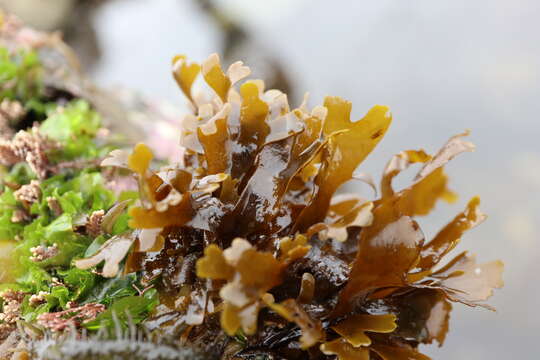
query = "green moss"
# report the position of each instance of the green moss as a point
(78, 188)
(20, 76)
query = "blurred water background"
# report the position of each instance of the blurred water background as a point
(441, 66)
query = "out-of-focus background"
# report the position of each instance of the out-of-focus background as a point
(442, 67)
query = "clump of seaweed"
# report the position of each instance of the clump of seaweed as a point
(255, 256)
(241, 250)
